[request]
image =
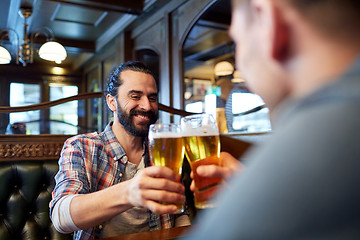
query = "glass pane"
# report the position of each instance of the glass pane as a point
(64, 117)
(246, 113)
(22, 94)
(211, 78)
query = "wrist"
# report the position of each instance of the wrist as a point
(122, 195)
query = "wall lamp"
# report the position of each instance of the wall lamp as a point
(51, 50)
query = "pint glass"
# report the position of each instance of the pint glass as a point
(166, 147)
(202, 147)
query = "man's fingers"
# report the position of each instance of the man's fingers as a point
(163, 196)
(228, 166)
(228, 161)
(192, 186)
(161, 172)
(161, 202)
(212, 171)
(143, 189)
(158, 208)
(160, 184)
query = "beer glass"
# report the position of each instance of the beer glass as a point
(166, 148)
(202, 147)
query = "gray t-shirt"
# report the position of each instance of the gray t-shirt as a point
(135, 219)
(303, 182)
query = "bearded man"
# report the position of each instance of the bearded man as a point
(106, 185)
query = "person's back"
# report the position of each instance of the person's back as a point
(303, 182)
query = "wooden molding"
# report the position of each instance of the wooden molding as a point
(31, 147)
(48, 104)
(80, 96)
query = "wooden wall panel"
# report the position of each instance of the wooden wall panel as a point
(35, 147)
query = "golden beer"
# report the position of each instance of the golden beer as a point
(203, 150)
(201, 147)
(166, 148)
(168, 152)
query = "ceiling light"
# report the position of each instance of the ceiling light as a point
(58, 70)
(238, 78)
(223, 68)
(51, 50)
(5, 56)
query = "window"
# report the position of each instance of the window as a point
(23, 94)
(211, 82)
(60, 119)
(63, 117)
(248, 114)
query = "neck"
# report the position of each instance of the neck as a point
(316, 59)
(320, 65)
(128, 142)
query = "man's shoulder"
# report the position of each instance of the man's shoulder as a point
(86, 138)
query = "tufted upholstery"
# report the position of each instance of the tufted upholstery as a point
(25, 193)
(28, 165)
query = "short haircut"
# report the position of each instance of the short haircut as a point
(114, 81)
(335, 19)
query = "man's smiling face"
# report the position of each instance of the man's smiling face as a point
(137, 105)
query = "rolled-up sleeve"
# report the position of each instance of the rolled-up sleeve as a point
(71, 177)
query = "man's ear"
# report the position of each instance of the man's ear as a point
(280, 45)
(111, 102)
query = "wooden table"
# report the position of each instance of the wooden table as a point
(162, 234)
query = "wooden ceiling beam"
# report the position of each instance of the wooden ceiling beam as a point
(74, 46)
(133, 4)
(133, 7)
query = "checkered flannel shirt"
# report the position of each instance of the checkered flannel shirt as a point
(91, 162)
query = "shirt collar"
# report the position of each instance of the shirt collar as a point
(112, 143)
(117, 152)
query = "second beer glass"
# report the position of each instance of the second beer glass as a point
(166, 147)
(202, 147)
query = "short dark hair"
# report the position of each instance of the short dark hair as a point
(338, 19)
(114, 81)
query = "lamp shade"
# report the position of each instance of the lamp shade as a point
(223, 68)
(5, 56)
(52, 51)
(238, 78)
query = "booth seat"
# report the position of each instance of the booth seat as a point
(28, 165)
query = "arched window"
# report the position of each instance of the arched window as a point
(211, 81)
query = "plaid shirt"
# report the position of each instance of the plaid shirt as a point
(91, 162)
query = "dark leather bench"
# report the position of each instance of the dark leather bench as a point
(28, 165)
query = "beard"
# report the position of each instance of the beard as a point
(127, 120)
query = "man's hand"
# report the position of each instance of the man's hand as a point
(153, 185)
(229, 165)
(149, 186)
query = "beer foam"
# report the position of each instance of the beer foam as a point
(166, 135)
(199, 132)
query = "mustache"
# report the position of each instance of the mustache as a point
(152, 115)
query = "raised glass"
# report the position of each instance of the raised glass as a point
(166, 147)
(202, 147)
